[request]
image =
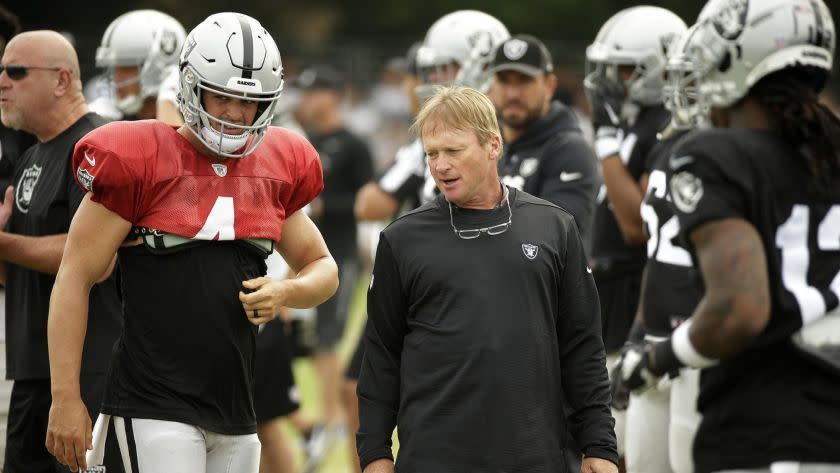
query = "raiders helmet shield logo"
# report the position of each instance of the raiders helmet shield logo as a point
(168, 42)
(26, 187)
(515, 49)
(686, 191)
(530, 250)
(481, 42)
(220, 169)
(85, 178)
(731, 17)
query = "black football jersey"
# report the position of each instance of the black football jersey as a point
(607, 241)
(770, 402)
(670, 291)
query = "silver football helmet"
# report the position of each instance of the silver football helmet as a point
(230, 54)
(736, 43)
(148, 39)
(638, 37)
(680, 90)
(458, 49)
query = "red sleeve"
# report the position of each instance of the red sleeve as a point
(309, 178)
(112, 180)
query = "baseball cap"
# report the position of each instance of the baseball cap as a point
(522, 53)
(320, 77)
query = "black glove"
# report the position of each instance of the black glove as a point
(606, 97)
(619, 394)
(635, 372)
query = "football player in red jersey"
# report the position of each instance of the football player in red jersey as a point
(201, 206)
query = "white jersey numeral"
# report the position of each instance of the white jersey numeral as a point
(792, 240)
(219, 221)
(659, 245)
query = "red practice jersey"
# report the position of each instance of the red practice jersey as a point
(151, 176)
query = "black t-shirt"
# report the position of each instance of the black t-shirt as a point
(46, 197)
(608, 246)
(671, 288)
(198, 366)
(347, 167)
(472, 345)
(12, 144)
(769, 402)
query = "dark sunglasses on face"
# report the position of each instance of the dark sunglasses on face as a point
(18, 72)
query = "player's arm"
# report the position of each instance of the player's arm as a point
(373, 203)
(314, 273)
(379, 380)
(570, 177)
(583, 359)
(625, 195)
(41, 253)
(94, 237)
(736, 305)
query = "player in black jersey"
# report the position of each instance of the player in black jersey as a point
(661, 422)
(624, 85)
(758, 202)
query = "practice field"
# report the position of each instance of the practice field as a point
(338, 459)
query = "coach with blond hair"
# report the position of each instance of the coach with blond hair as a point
(483, 317)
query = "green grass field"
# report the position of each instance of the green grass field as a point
(338, 460)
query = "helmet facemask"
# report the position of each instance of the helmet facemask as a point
(225, 139)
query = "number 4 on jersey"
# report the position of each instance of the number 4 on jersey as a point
(219, 221)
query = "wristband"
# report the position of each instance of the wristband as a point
(608, 142)
(685, 351)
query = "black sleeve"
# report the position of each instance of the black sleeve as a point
(585, 380)
(406, 176)
(655, 155)
(569, 175)
(706, 184)
(360, 167)
(75, 194)
(379, 380)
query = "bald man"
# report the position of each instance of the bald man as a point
(41, 93)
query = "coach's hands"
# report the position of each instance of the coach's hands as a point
(69, 434)
(265, 298)
(597, 465)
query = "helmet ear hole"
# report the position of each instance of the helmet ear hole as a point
(725, 63)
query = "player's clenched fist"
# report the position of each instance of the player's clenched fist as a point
(265, 298)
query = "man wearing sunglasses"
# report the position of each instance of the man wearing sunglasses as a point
(41, 93)
(482, 318)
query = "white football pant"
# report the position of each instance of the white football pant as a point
(157, 446)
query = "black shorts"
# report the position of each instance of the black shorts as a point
(618, 291)
(332, 314)
(275, 393)
(355, 366)
(29, 409)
